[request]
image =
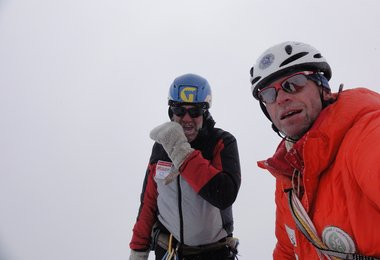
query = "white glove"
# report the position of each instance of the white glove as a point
(171, 136)
(139, 255)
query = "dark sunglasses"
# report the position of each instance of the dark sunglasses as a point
(193, 111)
(292, 84)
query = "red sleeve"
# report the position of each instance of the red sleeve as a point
(216, 180)
(198, 171)
(147, 214)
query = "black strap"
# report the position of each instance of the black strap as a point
(181, 236)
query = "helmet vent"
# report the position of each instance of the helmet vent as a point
(288, 49)
(255, 80)
(251, 72)
(318, 56)
(293, 58)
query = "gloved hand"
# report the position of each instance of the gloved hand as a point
(171, 136)
(139, 255)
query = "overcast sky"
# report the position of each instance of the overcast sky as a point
(83, 82)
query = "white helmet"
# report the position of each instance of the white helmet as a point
(284, 59)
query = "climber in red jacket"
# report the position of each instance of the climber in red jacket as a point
(327, 166)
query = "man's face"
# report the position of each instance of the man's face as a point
(294, 113)
(190, 125)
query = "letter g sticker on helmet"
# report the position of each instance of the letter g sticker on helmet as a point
(188, 94)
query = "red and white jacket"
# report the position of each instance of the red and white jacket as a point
(198, 203)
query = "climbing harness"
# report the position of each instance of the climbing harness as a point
(174, 249)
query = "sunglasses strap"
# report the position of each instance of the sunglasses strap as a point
(306, 226)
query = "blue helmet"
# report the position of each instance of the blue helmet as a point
(190, 89)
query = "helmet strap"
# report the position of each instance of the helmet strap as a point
(208, 124)
(265, 111)
(170, 113)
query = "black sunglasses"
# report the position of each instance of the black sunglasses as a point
(193, 111)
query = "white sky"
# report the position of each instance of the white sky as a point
(83, 82)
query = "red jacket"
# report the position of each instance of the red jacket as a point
(339, 158)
